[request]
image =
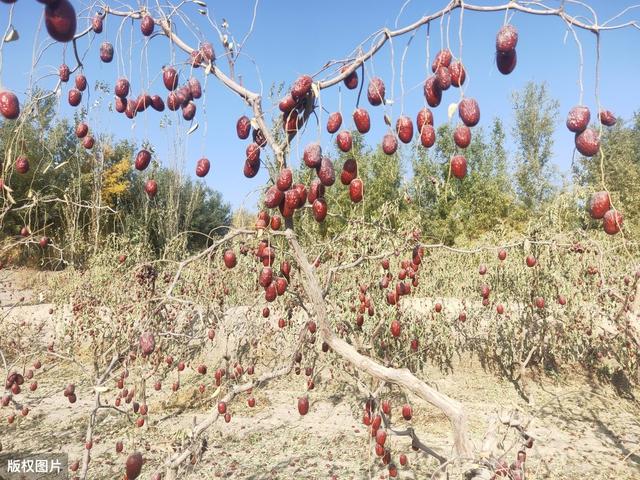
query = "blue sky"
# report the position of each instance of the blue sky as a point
(295, 37)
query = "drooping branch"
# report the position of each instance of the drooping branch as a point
(401, 377)
(386, 34)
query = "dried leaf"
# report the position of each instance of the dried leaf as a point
(315, 88)
(387, 119)
(452, 110)
(193, 128)
(12, 35)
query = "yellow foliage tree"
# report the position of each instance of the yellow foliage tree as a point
(115, 181)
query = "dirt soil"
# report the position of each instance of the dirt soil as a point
(582, 429)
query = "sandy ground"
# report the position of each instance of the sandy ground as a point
(583, 429)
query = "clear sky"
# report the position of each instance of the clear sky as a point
(295, 37)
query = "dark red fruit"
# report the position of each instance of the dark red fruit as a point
(578, 119)
(301, 87)
(249, 170)
(458, 73)
(202, 167)
(316, 190)
(243, 127)
(151, 188)
(432, 92)
(395, 326)
(133, 466)
(506, 62)
(96, 23)
(174, 101)
(189, 111)
(376, 91)
(356, 190)
(531, 261)
(273, 197)
(427, 136)
(75, 97)
(443, 59)
(120, 105)
(612, 222)
(88, 142)
(64, 72)
(60, 20)
(459, 166)
(344, 141)
(106, 52)
(122, 88)
(349, 171)
(142, 102)
(287, 104)
(170, 78)
(425, 116)
(9, 105)
(607, 118)
(157, 103)
(285, 179)
(147, 25)
(303, 405)
(351, 80)
(301, 191)
(334, 122)
(81, 130)
(588, 142)
(407, 413)
(195, 88)
(443, 78)
(276, 223)
(207, 52)
(143, 158)
(469, 111)
(599, 205)
(326, 173)
(319, 209)
(362, 120)
(389, 144)
(195, 58)
(252, 153)
(312, 155)
(404, 128)
(462, 136)
(230, 260)
(147, 343)
(506, 39)
(81, 82)
(22, 164)
(291, 122)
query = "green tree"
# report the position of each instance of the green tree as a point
(535, 117)
(455, 210)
